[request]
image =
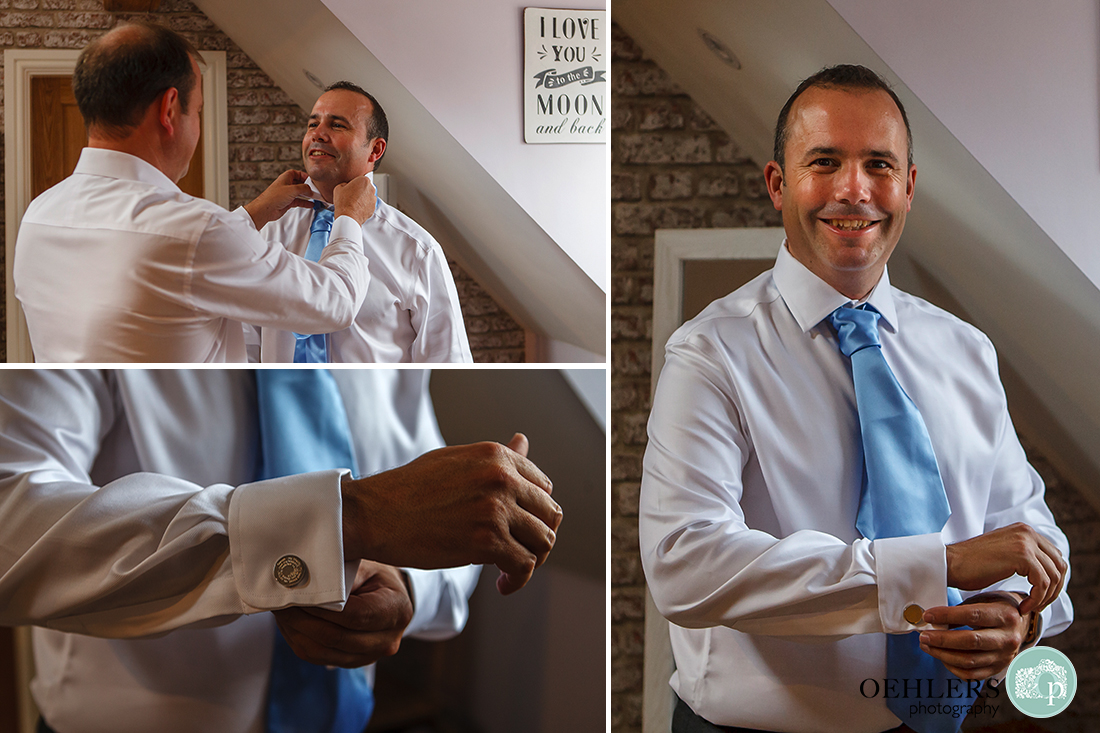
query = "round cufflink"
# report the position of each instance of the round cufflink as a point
(290, 571)
(913, 614)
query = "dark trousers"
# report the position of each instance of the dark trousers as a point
(685, 720)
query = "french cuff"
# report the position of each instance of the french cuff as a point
(243, 213)
(426, 592)
(286, 542)
(912, 574)
(346, 229)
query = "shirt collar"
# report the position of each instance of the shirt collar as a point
(116, 164)
(317, 193)
(811, 299)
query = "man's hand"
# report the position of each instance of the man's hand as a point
(997, 629)
(1016, 549)
(369, 627)
(356, 199)
(470, 504)
(280, 197)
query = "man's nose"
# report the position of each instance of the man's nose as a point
(853, 185)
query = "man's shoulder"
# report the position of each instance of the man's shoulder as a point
(395, 223)
(91, 200)
(734, 312)
(917, 313)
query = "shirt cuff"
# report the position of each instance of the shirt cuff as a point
(425, 589)
(243, 212)
(910, 571)
(297, 517)
(344, 228)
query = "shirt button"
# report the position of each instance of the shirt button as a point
(913, 614)
(290, 571)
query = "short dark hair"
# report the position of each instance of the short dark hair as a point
(378, 126)
(117, 78)
(843, 76)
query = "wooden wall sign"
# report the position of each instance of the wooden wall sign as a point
(565, 88)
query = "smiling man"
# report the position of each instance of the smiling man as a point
(832, 470)
(116, 264)
(411, 312)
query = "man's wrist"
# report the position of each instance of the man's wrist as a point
(351, 518)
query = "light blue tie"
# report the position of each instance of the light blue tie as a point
(902, 495)
(313, 348)
(304, 427)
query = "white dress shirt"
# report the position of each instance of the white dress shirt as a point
(751, 485)
(116, 264)
(411, 311)
(126, 511)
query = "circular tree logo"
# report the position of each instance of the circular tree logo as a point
(1041, 682)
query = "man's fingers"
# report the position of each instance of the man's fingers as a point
(519, 444)
(291, 176)
(321, 642)
(532, 473)
(1040, 582)
(1058, 567)
(962, 640)
(534, 535)
(377, 611)
(539, 505)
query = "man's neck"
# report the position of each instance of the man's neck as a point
(138, 146)
(326, 189)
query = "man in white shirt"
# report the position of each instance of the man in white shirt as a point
(754, 469)
(116, 264)
(411, 311)
(128, 508)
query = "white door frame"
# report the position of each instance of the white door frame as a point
(672, 248)
(20, 67)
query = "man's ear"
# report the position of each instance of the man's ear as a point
(168, 109)
(773, 179)
(377, 147)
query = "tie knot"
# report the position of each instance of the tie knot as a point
(856, 328)
(322, 218)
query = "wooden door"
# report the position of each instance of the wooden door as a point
(58, 136)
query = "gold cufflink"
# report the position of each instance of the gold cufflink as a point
(290, 571)
(913, 614)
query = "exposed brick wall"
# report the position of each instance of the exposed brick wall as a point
(494, 336)
(265, 131)
(671, 167)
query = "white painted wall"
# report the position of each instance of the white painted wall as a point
(1018, 83)
(474, 89)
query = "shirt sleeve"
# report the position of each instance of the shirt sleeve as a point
(1018, 495)
(440, 601)
(146, 553)
(238, 274)
(706, 567)
(436, 314)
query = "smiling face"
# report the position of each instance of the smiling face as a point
(847, 185)
(336, 148)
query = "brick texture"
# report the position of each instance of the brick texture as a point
(265, 131)
(672, 167)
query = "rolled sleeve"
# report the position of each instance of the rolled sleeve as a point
(298, 516)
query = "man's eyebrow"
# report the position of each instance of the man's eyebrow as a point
(887, 154)
(341, 118)
(826, 150)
